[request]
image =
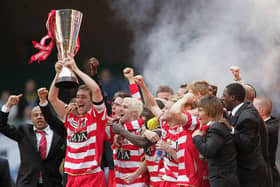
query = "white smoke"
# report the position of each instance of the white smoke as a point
(180, 41)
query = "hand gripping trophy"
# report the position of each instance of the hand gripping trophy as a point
(63, 29)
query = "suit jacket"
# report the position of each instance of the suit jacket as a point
(252, 168)
(219, 149)
(5, 178)
(273, 125)
(58, 125)
(31, 162)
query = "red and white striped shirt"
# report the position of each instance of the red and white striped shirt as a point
(152, 166)
(134, 91)
(85, 136)
(192, 169)
(169, 171)
(128, 158)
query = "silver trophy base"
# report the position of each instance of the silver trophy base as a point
(66, 82)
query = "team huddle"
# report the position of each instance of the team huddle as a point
(191, 138)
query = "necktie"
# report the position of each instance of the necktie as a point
(230, 115)
(43, 144)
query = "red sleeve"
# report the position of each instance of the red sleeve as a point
(66, 121)
(134, 91)
(109, 135)
(192, 123)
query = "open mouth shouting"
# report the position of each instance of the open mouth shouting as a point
(81, 106)
(122, 117)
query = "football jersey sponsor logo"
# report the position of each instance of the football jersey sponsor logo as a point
(148, 151)
(123, 154)
(79, 137)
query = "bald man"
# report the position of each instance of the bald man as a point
(250, 92)
(264, 107)
(41, 148)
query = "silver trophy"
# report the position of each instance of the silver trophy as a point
(67, 26)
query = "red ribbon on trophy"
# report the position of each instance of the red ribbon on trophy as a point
(45, 50)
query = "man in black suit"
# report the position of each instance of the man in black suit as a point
(264, 107)
(246, 122)
(41, 148)
(5, 177)
(250, 95)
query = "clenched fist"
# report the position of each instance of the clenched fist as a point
(42, 94)
(13, 100)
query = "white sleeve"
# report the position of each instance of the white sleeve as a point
(100, 108)
(5, 109)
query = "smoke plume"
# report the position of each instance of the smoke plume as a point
(181, 41)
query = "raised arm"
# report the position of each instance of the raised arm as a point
(58, 105)
(176, 111)
(235, 70)
(93, 65)
(134, 90)
(93, 86)
(9, 131)
(55, 123)
(148, 97)
(128, 73)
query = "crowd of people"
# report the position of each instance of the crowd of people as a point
(188, 138)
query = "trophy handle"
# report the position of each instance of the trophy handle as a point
(66, 79)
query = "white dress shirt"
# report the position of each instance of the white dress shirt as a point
(49, 136)
(236, 108)
(232, 113)
(266, 119)
(48, 132)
